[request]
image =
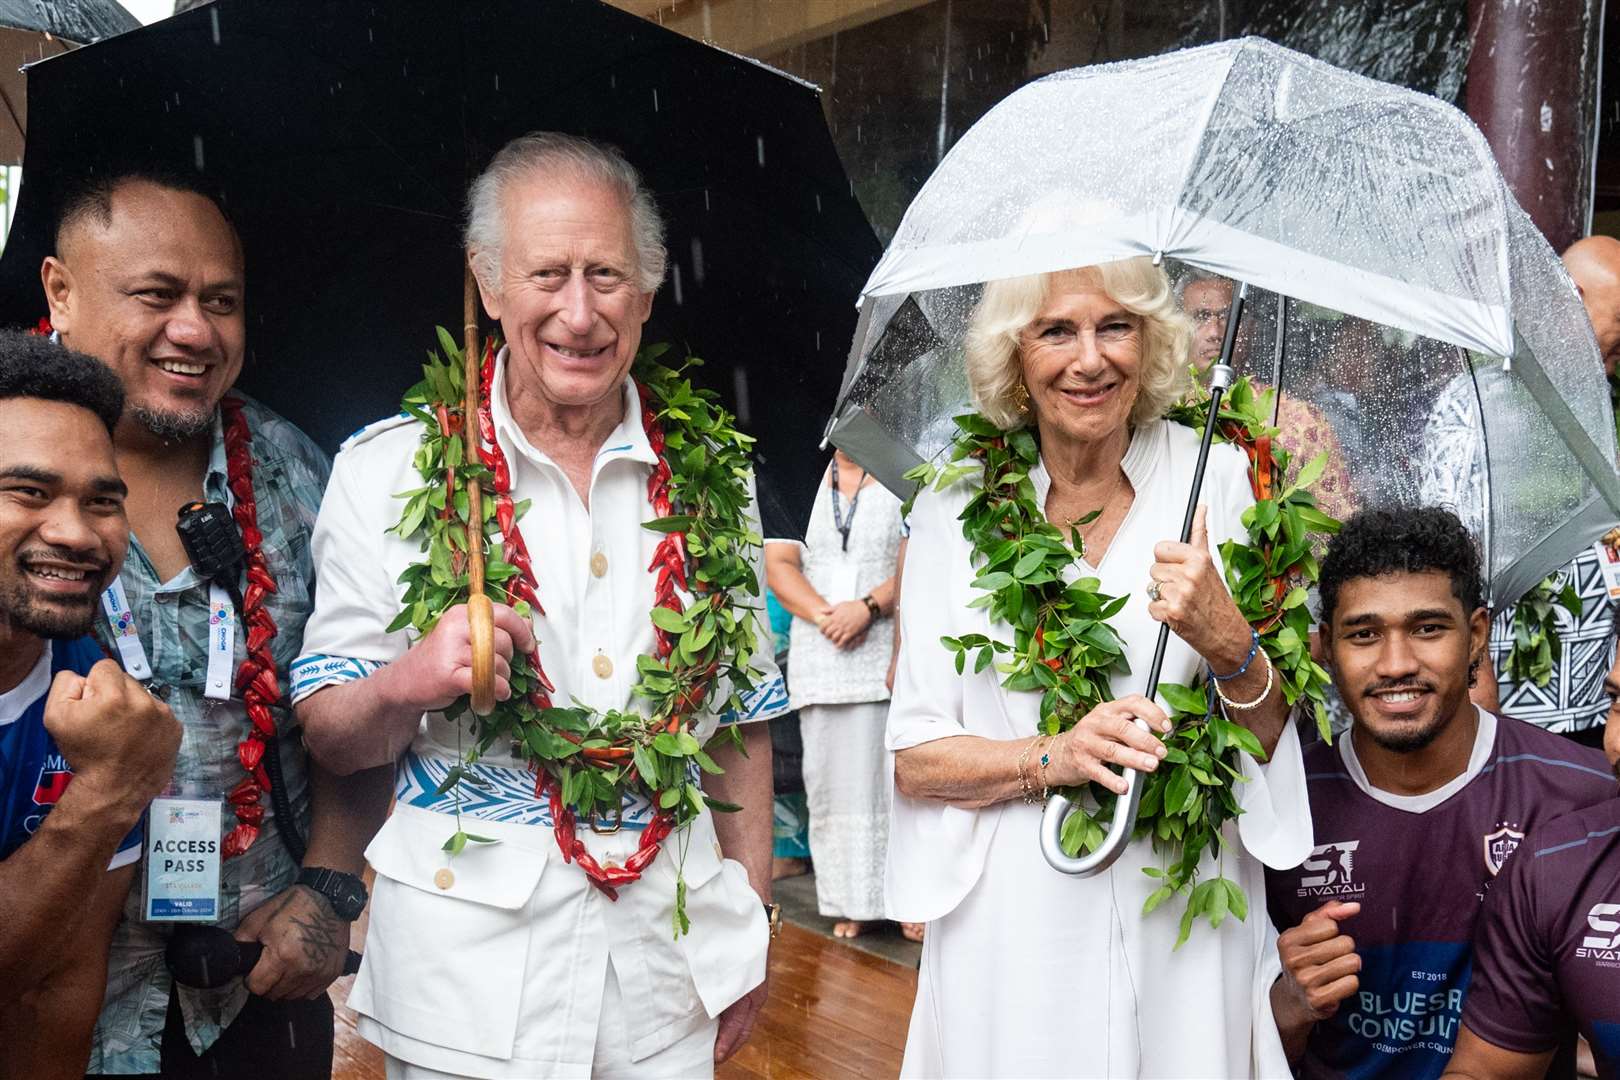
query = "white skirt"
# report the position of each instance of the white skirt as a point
(846, 782)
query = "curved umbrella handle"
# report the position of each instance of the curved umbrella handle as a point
(1113, 845)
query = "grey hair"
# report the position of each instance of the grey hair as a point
(1008, 306)
(577, 158)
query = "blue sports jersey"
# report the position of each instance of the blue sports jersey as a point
(33, 773)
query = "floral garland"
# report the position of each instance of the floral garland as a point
(1064, 647)
(584, 760)
(256, 677)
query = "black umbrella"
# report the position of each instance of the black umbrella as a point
(343, 134)
(31, 30)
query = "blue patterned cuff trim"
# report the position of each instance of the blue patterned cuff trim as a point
(763, 702)
(310, 673)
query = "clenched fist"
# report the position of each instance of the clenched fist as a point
(118, 738)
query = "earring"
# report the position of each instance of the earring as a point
(1021, 399)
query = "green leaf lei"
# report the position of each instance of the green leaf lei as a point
(1064, 647)
(590, 761)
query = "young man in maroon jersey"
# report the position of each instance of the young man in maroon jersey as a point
(1548, 955)
(1416, 809)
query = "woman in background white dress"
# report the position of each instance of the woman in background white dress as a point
(1027, 972)
(841, 588)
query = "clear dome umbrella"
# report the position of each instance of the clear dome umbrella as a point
(1398, 297)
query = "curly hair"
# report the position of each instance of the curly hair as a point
(36, 367)
(1011, 304)
(1403, 540)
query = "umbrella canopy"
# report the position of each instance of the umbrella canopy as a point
(1424, 285)
(31, 30)
(343, 136)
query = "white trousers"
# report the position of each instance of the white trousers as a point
(690, 1057)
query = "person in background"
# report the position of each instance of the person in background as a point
(1303, 431)
(790, 834)
(148, 277)
(1547, 959)
(1571, 701)
(1375, 958)
(840, 587)
(83, 748)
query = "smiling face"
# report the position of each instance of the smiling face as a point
(1081, 359)
(1400, 645)
(62, 527)
(156, 295)
(568, 302)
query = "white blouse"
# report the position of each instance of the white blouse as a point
(1092, 929)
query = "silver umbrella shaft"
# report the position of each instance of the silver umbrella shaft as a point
(1126, 806)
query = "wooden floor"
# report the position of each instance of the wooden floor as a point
(835, 1012)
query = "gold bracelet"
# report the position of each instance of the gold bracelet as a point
(1257, 702)
(1023, 779)
(1046, 759)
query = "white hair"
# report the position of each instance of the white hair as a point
(551, 152)
(1009, 305)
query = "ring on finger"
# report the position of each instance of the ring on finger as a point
(1153, 589)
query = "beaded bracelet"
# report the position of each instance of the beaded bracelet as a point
(1254, 647)
(1241, 705)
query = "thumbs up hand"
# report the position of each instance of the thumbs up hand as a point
(1192, 598)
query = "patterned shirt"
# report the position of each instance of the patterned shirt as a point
(289, 477)
(1455, 476)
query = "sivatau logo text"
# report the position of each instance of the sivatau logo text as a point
(1604, 945)
(1330, 871)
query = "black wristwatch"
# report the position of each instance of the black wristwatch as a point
(345, 892)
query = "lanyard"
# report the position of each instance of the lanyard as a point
(841, 523)
(221, 638)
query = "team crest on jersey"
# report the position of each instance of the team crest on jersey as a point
(1331, 871)
(54, 775)
(1500, 846)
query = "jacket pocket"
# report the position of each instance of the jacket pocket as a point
(448, 942)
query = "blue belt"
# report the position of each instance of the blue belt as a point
(493, 793)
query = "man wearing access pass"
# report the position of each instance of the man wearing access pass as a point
(1417, 809)
(536, 914)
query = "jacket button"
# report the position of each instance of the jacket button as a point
(602, 666)
(599, 564)
(444, 877)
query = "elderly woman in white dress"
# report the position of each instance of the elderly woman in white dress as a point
(1027, 972)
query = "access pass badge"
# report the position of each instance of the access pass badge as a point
(182, 860)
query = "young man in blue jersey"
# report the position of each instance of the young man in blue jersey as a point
(1417, 809)
(83, 748)
(1547, 959)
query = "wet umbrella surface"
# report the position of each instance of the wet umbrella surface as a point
(343, 135)
(1400, 299)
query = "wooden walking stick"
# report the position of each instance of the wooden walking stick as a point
(480, 612)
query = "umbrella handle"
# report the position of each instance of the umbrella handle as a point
(1126, 806)
(480, 612)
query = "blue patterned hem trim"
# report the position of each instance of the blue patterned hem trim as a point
(763, 702)
(310, 673)
(494, 793)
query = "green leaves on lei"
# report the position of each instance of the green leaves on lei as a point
(1064, 647)
(645, 751)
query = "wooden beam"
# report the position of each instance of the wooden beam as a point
(763, 29)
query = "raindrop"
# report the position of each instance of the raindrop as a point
(655, 99)
(708, 26)
(497, 90)
(697, 261)
(759, 149)
(676, 282)
(705, 200)
(739, 384)
(613, 82)
(213, 23)
(818, 349)
(197, 151)
(371, 39)
(818, 202)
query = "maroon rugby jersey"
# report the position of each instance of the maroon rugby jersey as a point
(1419, 868)
(1547, 959)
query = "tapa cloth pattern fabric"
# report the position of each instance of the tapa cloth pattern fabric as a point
(847, 781)
(289, 476)
(977, 878)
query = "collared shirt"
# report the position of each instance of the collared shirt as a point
(289, 474)
(590, 566)
(1455, 475)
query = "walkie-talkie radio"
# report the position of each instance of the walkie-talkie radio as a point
(213, 544)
